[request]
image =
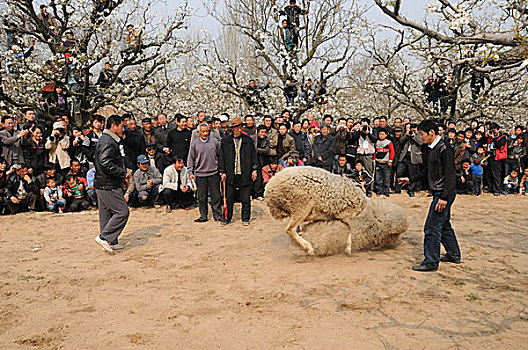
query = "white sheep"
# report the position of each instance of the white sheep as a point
(341, 217)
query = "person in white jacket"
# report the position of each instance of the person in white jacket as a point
(176, 189)
(57, 144)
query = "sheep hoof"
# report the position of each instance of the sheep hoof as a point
(348, 251)
(310, 251)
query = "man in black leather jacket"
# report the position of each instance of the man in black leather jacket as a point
(110, 174)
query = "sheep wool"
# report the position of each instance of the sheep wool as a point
(341, 218)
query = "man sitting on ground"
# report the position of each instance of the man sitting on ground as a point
(177, 186)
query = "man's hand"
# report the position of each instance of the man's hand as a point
(320, 159)
(374, 163)
(191, 177)
(390, 164)
(149, 183)
(462, 180)
(254, 175)
(440, 206)
(50, 203)
(14, 200)
(184, 188)
(223, 176)
(128, 176)
(404, 181)
(127, 197)
(69, 194)
(23, 133)
(27, 178)
(166, 150)
(81, 187)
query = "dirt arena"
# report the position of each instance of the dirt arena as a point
(183, 285)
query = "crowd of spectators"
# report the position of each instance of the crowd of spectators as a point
(49, 165)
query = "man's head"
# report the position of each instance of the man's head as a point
(518, 130)
(75, 166)
(190, 123)
(397, 122)
(466, 164)
(115, 124)
(261, 131)
(3, 164)
(398, 131)
(376, 122)
(181, 120)
(71, 181)
(310, 117)
(252, 83)
(382, 134)
(132, 125)
(460, 136)
(203, 131)
(383, 122)
(177, 162)
(359, 165)
(365, 121)
(285, 114)
(249, 120)
(30, 115)
(441, 129)
(22, 170)
(49, 169)
(146, 124)
(143, 162)
(108, 66)
(324, 130)
(342, 160)
(8, 122)
(98, 122)
(297, 126)
(200, 116)
(273, 164)
(162, 119)
(151, 149)
(495, 128)
(292, 3)
(480, 150)
(451, 134)
(236, 126)
(209, 121)
(328, 119)
(451, 124)
(268, 121)
(43, 9)
(283, 129)
(428, 130)
(468, 134)
(130, 27)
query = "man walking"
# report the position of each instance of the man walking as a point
(442, 183)
(202, 165)
(238, 167)
(109, 176)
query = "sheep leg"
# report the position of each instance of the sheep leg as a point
(348, 249)
(291, 230)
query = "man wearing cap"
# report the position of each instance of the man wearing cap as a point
(110, 174)
(238, 166)
(212, 132)
(202, 165)
(147, 180)
(148, 132)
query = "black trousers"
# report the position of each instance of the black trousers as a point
(496, 175)
(243, 194)
(28, 203)
(209, 185)
(177, 198)
(407, 169)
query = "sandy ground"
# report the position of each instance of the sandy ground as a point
(183, 285)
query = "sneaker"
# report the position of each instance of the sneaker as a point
(117, 246)
(245, 223)
(168, 209)
(260, 198)
(223, 223)
(104, 244)
(61, 211)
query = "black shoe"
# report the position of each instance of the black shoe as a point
(387, 195)
(496, 194)
(450, 258)
(430, 195)
(424, 268)
(200, 220)
(411, 194)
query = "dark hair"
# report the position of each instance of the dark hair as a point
(383, 130)
(261, 127)
(398, 118)
(383, 117)
(49, 166)
(25, 110)
(43, 7)
(268, 117)
(461, 132)
(428, 125)
(466, 161)
(2, 160)
(366, 120)
(295, 122)
(179, 117)
(339, 120)
(175, 159)
(518, 127)
(494, 125)
(6, 117)
(284, 111)
(113, 120)
(77, 128)
(341, 155)
(99, 118)
(74, 160)
(48, 180)
(328, 116)
(360, 162)
(126, 115)
(71, 177)
(273, 160)
(248, 116)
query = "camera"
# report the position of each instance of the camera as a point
(61, 130)
(364, 128)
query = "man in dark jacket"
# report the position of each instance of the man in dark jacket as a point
(110, 174)
(179, 139)
(302, 143)
(21, 191)
(133, 144)
(442, 182)
(238, 166)
(323, 147)
(410, 160)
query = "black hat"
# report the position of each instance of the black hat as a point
(398, 128)
(208, 119)
(150, 144)
(146, 120)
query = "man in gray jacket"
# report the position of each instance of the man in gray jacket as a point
(410, 161)
(202, 165)
(11, 141)
(147, 180)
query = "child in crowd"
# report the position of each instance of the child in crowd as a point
(90, 187)
(383, 157)
(362, 178)
(511, 183)
(75, 189)
(54, 197)
(523, 183)
(476, 171)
